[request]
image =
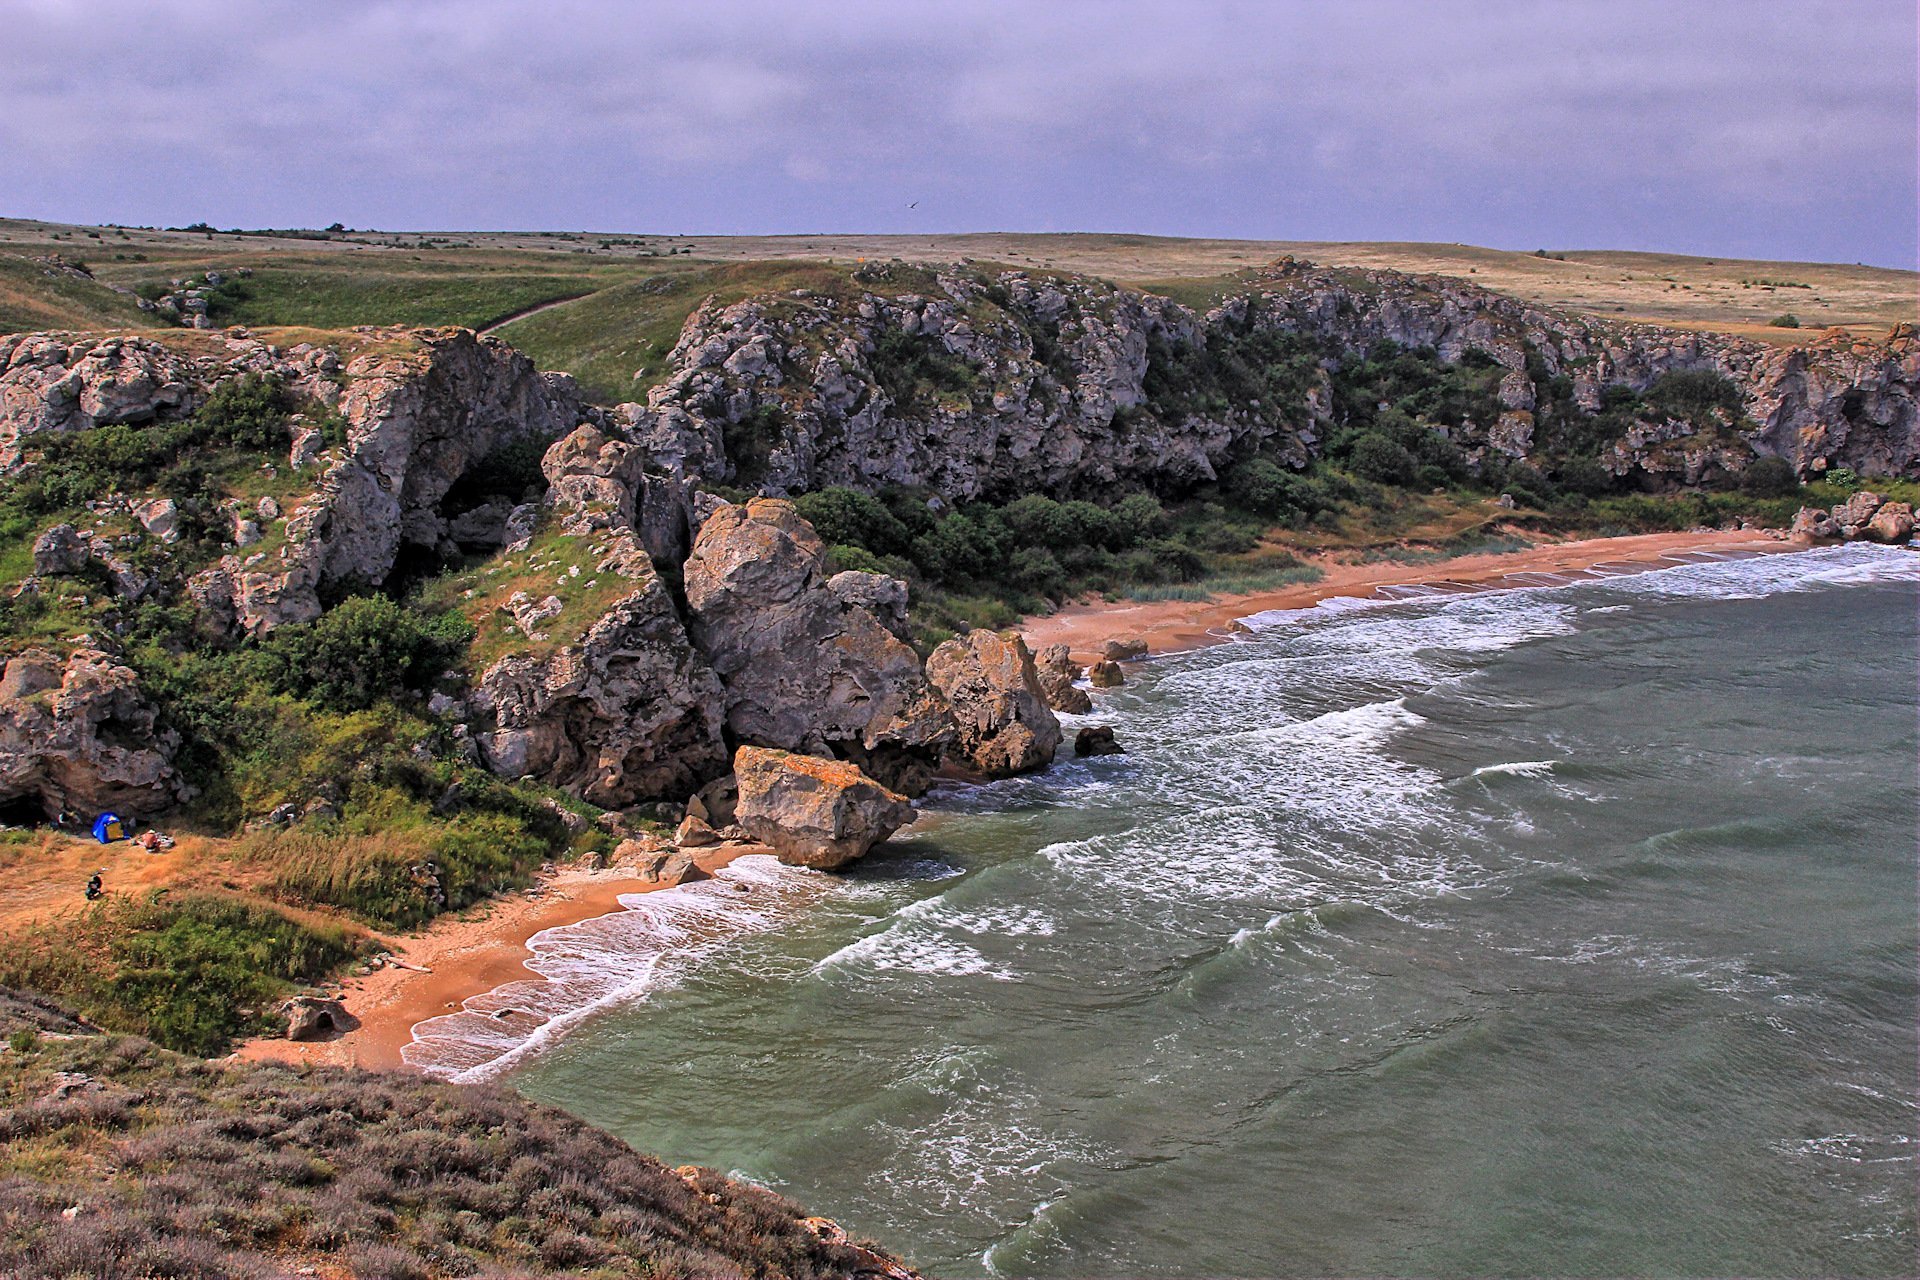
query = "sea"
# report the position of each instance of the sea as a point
(1561, 930)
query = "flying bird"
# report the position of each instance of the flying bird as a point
(913, 204)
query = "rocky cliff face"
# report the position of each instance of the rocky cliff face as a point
(78, 736)
(1010, 384)
(417, 420)
(1837, 402)
(984, 386)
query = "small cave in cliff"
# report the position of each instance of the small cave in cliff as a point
(23, 811)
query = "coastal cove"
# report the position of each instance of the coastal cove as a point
(469, 962)
(1405, 914)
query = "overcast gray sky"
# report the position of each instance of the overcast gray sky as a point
(1759, 128)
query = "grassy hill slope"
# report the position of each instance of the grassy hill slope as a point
(39, 295)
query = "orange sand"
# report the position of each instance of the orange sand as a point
(467, 956)
(1173, 625)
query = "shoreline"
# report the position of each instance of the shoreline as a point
(1176, 626)
(458, 959)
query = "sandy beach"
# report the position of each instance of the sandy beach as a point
(1171, 626)
(458, 958)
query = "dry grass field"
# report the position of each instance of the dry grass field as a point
(367, 277)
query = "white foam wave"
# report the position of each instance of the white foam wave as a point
(614, 959)
(1516, 769)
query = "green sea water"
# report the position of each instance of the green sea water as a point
(1567, 931)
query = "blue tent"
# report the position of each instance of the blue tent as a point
(107, 828)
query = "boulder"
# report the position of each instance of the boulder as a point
(883, 596)
(1124, 649)
(1105, 674)
(159, 517)
(1856, 513)
(1096, 740)
(802, 668)
(714, 803)
(665, 867)
(78, 735)
(1057, 672)
(315, 1018)
(988, 679)
(620, 711)
(1892, 523)
(694, 833)
(60, 550)
(1812, 524)
(814, 812)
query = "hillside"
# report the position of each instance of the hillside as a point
(124, 1160)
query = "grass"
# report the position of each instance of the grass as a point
(35, 296)
(151, 1164)
(1226, 584)
(554, 564)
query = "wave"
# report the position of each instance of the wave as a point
(653, 942)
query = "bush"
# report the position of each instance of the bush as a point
(1787, 321)
(1696, 395)
(1376, 458)
(1770, 478)
(852, 518)
(249, 412)
(363, 651)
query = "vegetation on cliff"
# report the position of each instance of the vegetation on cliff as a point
(124, 1160)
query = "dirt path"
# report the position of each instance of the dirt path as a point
(534, 311)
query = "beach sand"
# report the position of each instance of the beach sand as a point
(1170, 626)
(463, 956)
(467, 956)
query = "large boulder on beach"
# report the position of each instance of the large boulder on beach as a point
(1892, 523)
(1004, 723)
(814, 812)
(1856, 513)
(1124, 649)
(1811, 524)
(1105, 674)
(1057, 672)
(807, 665)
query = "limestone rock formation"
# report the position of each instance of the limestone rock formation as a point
(60, 550)
(1813, 524)
(1105, 674)
(316, 1018)
(620, 711)
(814, 812)
(418, 418)
(78, 736)
(1124, 649)
(1057, 672)
(989, 682)
(804, 669)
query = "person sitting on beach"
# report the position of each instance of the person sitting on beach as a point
(94, 889)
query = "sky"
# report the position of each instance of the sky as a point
(1753, 128)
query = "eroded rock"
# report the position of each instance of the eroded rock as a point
(990, 684)
(78, 735)
(803, 669)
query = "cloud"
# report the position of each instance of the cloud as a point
(1629, 123)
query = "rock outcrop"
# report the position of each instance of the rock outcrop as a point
(1105, 674)
(1005, 725)
(417, 420)
(802, 668)
(814, 812)
(78, 736)
(1097, 740)
(1057, 672)
(1864, 515)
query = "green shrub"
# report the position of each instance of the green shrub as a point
(1786, 321)
(363, 651)
(249, 412)
(852, 518)
(750, 442)
(1695, 395)
(1375, 457)
(1770, 478)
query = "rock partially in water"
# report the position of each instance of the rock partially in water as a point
(1097, 740)
(1124, 649)
(989, 681)
(814, 812)
(1105, 674)
(1892, 523)
(803, 668)
(1057, 672)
